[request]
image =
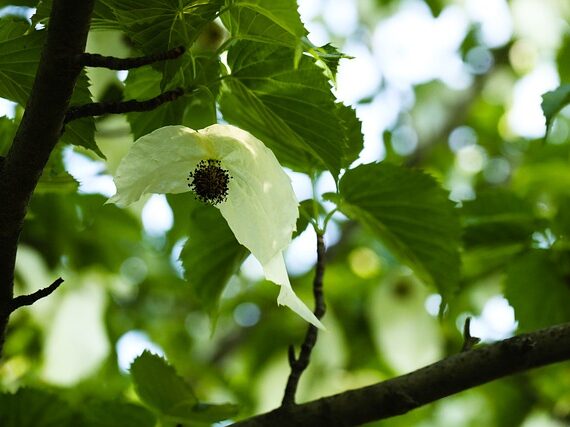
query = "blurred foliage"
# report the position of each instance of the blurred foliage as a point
(400, 245)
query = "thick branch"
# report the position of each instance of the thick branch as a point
(39, 131)
(298, 365)
(23, 300)
(102, 108)
(113, 63)
(399, 395)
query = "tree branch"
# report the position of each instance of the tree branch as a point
(23, 300)
(113, 63)
(39, 131)
(102, 108)
(298, 365)
(399, 395)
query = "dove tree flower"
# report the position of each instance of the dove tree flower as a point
(231, 170)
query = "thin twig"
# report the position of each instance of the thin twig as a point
(468, 340)
(113, 63)
(299, 364)
(102, 108)
(23, 300)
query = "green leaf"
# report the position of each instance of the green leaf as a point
(561, 223)
(196, 109)
(553, 102)
(33, 408)
(495, 218)
(19, 56)
(144, 83)
(275, 22)
(8, 128)
(563, 59)
(54, 177)
(411, 215)
(103, 17)
(536, 290)
(159, 386)
(116, 414)
(158, 25)
(353, 131)
(211, 255)
(291, 109)
(306, 214)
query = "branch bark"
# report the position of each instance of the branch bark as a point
(299, 364)
(23, 300)
(449, 376)
(112, 63)
(103, 108)
(38, 133)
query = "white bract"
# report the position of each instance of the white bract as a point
(260, 207)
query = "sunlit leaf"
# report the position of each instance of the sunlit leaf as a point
(275, 22)
(290, 108)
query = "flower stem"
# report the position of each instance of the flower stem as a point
(299, 364)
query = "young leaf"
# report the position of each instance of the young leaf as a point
(411, 215)
(34, 408)
(211, 255)
(290, 108)
(553, 102)
(536, 290)
(159, 386)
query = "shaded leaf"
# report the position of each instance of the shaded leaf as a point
(19, 57)
(158, 25)
(34, 408)
(117, 414)
(536, 290)
(54, 177)
(211, 255)
(103, 17)
(158, 385)
(411, 215)
(8, 130)
(497, 217)
(553, 102)
(196, 109)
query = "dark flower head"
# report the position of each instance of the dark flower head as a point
(209, 182)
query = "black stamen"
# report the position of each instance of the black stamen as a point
(209, 182)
